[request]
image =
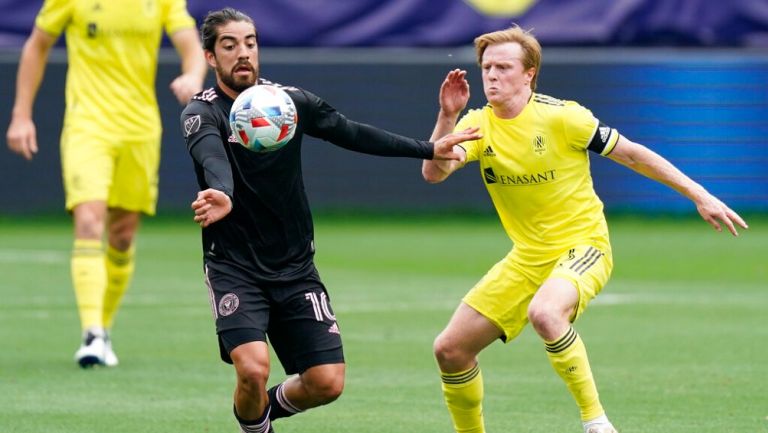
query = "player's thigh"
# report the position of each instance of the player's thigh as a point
(588, 267)
(135, 182)
(302, 329)
(240, 308)
(87, 166)
(503, 294)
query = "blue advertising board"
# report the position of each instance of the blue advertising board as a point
(431, 23)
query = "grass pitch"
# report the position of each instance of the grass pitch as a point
(677, 340)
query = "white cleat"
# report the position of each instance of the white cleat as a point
(110, 359)
(92, 350)
(599, 425)
(600, 428)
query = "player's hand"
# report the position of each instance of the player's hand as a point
(444, 146)
(715, 212)
(454, 93)
(22, 137)
(185, 86)
(210, 206)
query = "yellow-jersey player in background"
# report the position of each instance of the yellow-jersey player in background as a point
(110, 143)
(534, 162)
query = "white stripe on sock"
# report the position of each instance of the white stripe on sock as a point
(283, 401)
(262, 427)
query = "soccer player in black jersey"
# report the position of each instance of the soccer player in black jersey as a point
(258, 233)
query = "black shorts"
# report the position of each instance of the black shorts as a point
(296, 317)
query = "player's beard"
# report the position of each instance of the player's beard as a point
(236, 83)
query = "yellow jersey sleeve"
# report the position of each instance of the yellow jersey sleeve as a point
(584, 131)
(177, 17)
(54, 16)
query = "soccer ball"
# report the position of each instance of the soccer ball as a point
(263, 118)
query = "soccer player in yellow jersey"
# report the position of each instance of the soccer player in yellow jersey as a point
(110, 143)
(533, 159)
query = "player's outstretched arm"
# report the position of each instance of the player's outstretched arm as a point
(193, 66)
(22, 135)
(454, 95)
(648, 163)
(211, 205)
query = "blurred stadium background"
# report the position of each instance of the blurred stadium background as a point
(677, 341)
(685, 77)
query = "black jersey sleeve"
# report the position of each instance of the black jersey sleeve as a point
(206, 145)
(321, 120)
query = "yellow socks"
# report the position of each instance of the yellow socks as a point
(100, 281)
(568, 357)
(463, 394)
(89, 278)
(119, 266)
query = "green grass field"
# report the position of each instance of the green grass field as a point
(678, 339)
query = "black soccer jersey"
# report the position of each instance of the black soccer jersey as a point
(269, 232)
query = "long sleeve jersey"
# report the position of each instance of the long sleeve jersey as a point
(269, 232)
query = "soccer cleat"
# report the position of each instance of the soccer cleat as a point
(599, 425)
(110, 359)
(600, 428)
(92, 350)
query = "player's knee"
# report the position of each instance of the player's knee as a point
(89, 227)
(252, 377)
(122, 230)
(121, 236)
(544, 318)
(448, 356)
(89, 220)
(326, 389)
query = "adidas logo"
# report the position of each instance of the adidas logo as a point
(334, 329)
(489, 151)
(604, 133)
(232, 138)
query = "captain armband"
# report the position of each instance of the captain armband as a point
(603, 140)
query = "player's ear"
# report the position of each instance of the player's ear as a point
(210, 57)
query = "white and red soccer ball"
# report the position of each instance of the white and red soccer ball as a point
(263, 118)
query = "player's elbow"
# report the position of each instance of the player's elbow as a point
(432, 174)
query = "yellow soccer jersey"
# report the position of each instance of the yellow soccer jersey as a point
(536, 170)
(112, 49)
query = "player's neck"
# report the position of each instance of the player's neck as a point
(515, 105)
(227, 90)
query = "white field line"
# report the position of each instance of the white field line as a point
(33, 256)
(603, 300)
(37, 307)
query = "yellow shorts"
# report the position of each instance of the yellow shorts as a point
(503, 294)
(121, 172)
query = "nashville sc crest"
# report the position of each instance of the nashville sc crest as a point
(539, 145)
